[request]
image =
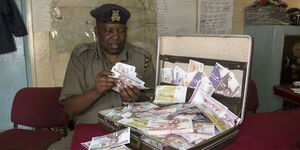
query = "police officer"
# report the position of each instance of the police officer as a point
(87, 85)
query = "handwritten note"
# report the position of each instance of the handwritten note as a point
(215, 16)
(176, 17)
(194, 16)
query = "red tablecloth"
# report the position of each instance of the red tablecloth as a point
(84, 133)
(266, 131)
(275, 130)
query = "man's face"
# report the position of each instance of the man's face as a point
(112, 37)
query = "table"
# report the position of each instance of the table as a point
(84, 133)
(269, 131)
(261, 131)
(285, 92)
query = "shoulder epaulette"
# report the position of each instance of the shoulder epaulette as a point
(143, 52)
(147, 62)
(140, 50)
(84, 47)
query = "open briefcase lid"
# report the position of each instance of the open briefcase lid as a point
(231, 51)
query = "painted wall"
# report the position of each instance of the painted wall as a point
(51, 52)
(13, 76)
(49, 64)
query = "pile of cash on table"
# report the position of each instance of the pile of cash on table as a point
(177, 123)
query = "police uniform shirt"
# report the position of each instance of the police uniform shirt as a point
(87, 60)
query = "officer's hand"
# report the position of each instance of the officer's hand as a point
(129, 93)
(104, 83)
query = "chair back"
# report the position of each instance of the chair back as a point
(252, 97)
(38, 107)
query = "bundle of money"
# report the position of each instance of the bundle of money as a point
(204, 127)
(195, 138)
(166, 75)
(176, 141)
(127, 75)
(109, 141)
(224, 81)
(218, 113)
(199, 76)
(195, 66)
(202, 90)
(138, 123)
(176, 126)
(178, 76)
(181, 77)
(165, 94)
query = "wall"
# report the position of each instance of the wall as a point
(13, 75)
(49, 62)
(72, 24)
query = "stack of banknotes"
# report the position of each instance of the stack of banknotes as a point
(165, 94)
(113, 141)
(178, 76)
(127, 76)
(180, 125)
(221, 79)
(224, 81)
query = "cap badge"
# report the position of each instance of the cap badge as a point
(115, 15)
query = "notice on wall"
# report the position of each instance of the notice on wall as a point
(176, 17)
(41, 15)
(194, 16)
(215, 16)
